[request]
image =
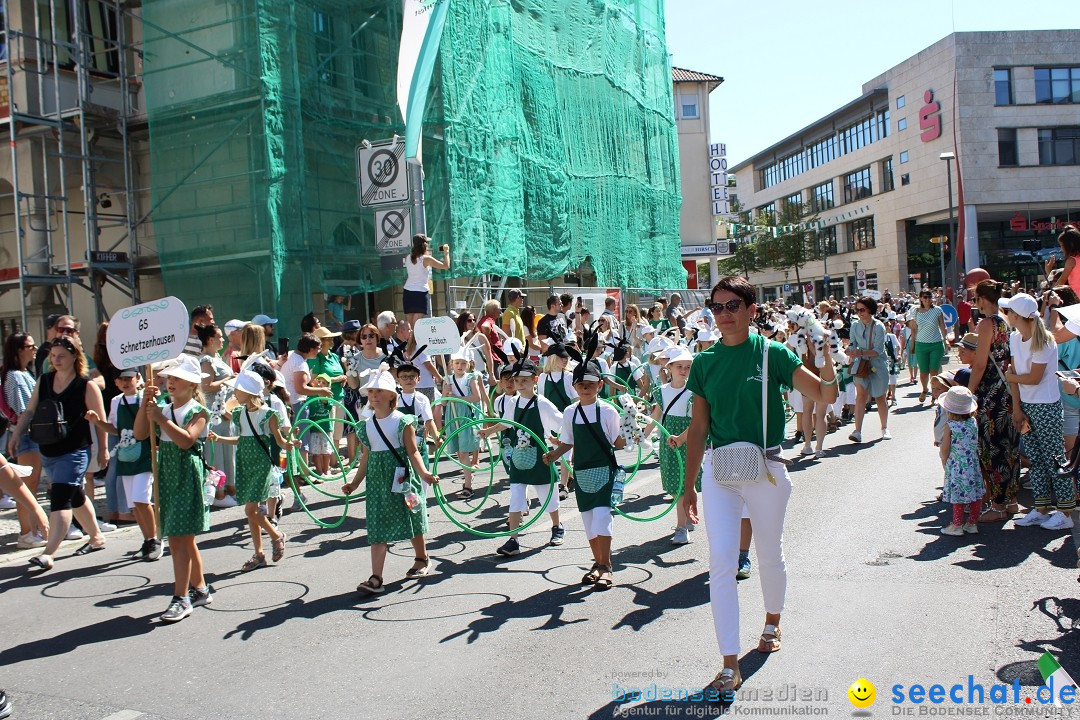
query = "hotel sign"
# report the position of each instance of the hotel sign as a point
(718, 180)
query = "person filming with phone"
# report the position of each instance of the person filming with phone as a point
(417, 290)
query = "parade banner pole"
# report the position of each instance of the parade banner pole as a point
(153, 463)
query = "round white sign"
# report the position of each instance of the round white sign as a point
(147, 333)
(440, 334)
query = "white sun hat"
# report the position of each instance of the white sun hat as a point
(187, 369)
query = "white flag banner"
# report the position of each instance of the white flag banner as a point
(421, 30)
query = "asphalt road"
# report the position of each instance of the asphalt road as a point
(874, 592)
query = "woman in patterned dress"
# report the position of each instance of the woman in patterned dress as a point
(388, 450)
(671, 408)
(999, 443)
(255, 423)
(181, 477)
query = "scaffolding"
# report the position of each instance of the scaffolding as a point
(71, 119)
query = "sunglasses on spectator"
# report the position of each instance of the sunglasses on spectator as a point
(66, 330)
(861, 310)
(368, 336)
(732, 306)
(31, 346)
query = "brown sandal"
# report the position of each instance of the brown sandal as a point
(592, 575)
(373, 585)
(994, 514)
(420, 571)
(278, 547)
(257, 560)
(604, 581)
(770, 640)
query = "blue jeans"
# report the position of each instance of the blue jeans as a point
(67, 469)
(115, 500)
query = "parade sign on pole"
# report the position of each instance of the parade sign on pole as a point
(147, 333)
(440, 334)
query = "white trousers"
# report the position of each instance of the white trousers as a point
(723, 510)
(519, 497)
(598, 522)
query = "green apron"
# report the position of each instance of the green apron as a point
(526, 465)
(626, 374)
(556, 393)
(594, 463)
(507, 437)
(125, 423)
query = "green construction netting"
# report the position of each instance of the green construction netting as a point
(548, 138)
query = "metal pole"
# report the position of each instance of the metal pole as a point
(952, 231)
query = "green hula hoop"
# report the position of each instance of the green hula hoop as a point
(308, 471)
(444, 504)
(442, 435)
(682, 467)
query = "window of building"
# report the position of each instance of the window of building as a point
(886, 175)
(857, 185)
(861, 233)
(901, 124)
(900, 102)
(689, 106)
(326, 66)
(1059, 146)
(849, 139)
(793, 200)
(871, 281)
(827, 240)
(1007, 154)
(1057, 85)
(1003, 94)
(903, 157)
(768, 212)
(821, 197)
(905, 179)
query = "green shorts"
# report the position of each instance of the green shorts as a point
(928, 356)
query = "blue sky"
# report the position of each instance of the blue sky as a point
(786, 63)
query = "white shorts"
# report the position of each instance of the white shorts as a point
(519, 497)
(597, 522)
(894, 379)
(850, 394)
(795, 399)
(139, 488)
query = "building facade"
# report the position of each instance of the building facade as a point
(997, 113)
(697, 228)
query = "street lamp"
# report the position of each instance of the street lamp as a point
(948, 157)
(855, 269)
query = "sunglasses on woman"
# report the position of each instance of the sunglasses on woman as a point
(861, 310)
(732, 306)
(368, 336)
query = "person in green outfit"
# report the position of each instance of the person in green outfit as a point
(591, 430)
(133, 459)
(390, 462)
(544, 419)
(464, 385)
(181, 475)
(327, 363)
(672, 403)
(254, 423)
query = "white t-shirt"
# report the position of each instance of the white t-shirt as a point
(181, 412)
(417, 274)
(277, 405)
(609, 421)
(420, 404)
(293, 364)
(681, 406)
(550, 417)
(1023, 358)
(427, 380)
(389, 426)
(133, 400)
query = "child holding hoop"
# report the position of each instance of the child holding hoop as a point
(671, 409)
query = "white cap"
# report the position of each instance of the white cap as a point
(1022, 304)
(679, 354)
(187, 369)
(249, 382)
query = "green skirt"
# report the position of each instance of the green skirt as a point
(672, 473)
(252, 470)
(180, 484)
(388, 518)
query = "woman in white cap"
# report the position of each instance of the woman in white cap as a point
(390, 461)
(671, 408)
(1036, 411)
(255, 424)
(181, 475)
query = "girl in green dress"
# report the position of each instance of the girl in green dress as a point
(255, 423)
(671, 409)
(181, 477)
(464, 385)
(389, 453)
(591, 429)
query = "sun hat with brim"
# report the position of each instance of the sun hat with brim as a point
(1071, 313)
(959, 400)
(970, 341)
(249, 382)
(325, 333)
(234, 324)
(187, 369)
(160, 367)
(678, 354)
(657, 344)
(261, 319)
(707, 336)
(279, 379)
(381, 379)
(1022, 304)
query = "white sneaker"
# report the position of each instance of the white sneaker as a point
(106, 527)
(885, 434)
(855, 437)
(30, 540)
(952, 530)
(806, 450)
(298, 498)
(680, 537)
(7, 503)
(1057, 521)
(971, 528)
(1034, 517)
(74, 533)
(226, 502)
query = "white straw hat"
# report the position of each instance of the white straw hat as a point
(187, 369)
(679, 354)
(381, 379)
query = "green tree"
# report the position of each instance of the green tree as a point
(794, 243)
(744, 258)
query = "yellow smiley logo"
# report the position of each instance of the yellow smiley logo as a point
(862, 693)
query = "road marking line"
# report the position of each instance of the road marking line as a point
(125, 715)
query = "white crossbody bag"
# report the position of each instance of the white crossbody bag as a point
(744, 462)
